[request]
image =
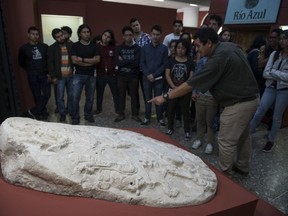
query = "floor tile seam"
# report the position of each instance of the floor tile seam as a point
(281, 195)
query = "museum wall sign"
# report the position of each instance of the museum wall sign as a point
(252, 11)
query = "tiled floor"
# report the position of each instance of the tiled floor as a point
(268, 176)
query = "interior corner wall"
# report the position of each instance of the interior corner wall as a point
(283, 12)
(107, 15)
(18, 16)
(179, 16)
(201, 16)
(218, 7)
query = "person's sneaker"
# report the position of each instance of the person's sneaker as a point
(119, 118)
(178, 124)
(145, 122)
(268, 147)
(162, 123)
(169, 132)
(136, 118)
(196, 144)
(90, 119)
(31, 114)
(96, 112)
(209, 148)
(62, 118)
(187, 136)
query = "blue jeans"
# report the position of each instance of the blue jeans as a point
(41, 91)
(79, 81)
(269, 97)
(61, 84)
(149, 88)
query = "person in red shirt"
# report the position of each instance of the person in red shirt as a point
(106, 70)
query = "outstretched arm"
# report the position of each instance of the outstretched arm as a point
(174, 93)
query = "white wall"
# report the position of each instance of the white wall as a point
(49, 22)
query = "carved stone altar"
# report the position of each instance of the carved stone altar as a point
(103, 163)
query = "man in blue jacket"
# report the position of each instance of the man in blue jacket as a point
(153, 58)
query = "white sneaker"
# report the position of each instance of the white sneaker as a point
(31, 114)
(208, 149)
(196, 144)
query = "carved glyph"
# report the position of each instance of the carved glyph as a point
(103, 163)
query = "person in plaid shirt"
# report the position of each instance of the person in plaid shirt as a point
(141, 38)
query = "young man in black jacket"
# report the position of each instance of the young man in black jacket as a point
(127, 60)
(60, 70)
(32, 57)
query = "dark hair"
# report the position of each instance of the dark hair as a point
(278, 31)
(178, 22)
(96, 39)
(186, 44)
(186, 33)
(55, 31)
(157, 28)
(132, 20)
(217, 18)
(32, 28)
(127, 28)
(222, 32)
(173, 41)
(257, 43)
(67, 29)
(206, 34)
(112, 35)
(81, 27)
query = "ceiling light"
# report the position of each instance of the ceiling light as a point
(194, 5)
(159, 0)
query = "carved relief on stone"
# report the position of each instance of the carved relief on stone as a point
(103, 163)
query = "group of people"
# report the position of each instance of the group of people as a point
(269, 63)
(176, 75)
(233, 85)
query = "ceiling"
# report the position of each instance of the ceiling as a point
(174, 4)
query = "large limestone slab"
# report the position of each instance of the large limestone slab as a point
(102, 163)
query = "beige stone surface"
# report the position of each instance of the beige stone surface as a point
(103, 163)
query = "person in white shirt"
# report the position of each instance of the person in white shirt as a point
(175, 35)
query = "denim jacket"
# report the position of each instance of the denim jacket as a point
(276, 71)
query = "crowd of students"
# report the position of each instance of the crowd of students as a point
(166, 73)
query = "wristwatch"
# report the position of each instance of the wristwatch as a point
(166, 96)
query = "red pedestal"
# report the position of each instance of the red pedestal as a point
(231, 199)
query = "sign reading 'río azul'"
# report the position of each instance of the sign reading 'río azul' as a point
(252, 11)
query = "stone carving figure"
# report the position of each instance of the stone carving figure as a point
(103, 163)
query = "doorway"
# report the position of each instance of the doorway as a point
(49, 22)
